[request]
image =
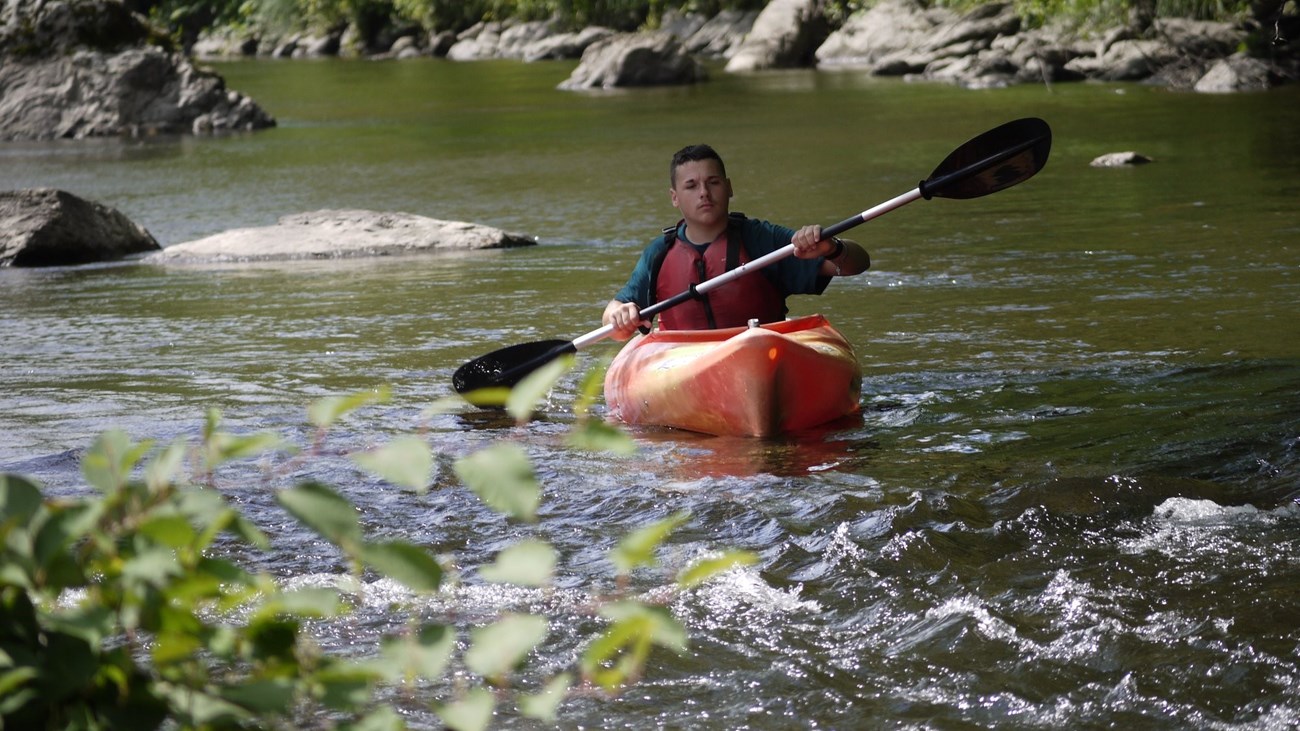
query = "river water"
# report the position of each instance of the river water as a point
(1070, 500)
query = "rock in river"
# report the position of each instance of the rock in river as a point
(49, 227)
(337, 234)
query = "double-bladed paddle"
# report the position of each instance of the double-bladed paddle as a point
(998, 159)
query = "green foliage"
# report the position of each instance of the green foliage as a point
(117, 609)
(502, 476)
(184, 19)
(1074, 13)
(530, 562)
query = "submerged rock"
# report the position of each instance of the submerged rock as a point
(49, 227)
(1120, 159)
(337, 234)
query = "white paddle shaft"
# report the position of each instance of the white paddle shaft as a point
(768, 259)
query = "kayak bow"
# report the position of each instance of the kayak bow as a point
(757, 381)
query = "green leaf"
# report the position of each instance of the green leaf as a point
(272, 639)
(108, 464)
(198, 709)
(173, 531)
(498, 648)
(598, 436)
(223, 571)
(153, 566)
(249, 532)
(638, 547)
(592, 386)
(502, 476)
(488, 397)
(64, 527)
(20, 499)
(324, 511)
(619, 654)
(544, 705)
(169, 648)
(71, 664)
(12, 702)
(91, 622)
(380, 719)
(526, 394)
(162, 469)
(531, 562)
(455, 404)
(406, 462)
(325, 412)
(202, 506)
(663, 628)
(269, 696)
(345, 687)
(707, 568)
(302, 603)
(223, 447)
(423, 655)
(473, 712)
(211, 423)
(12, 680)
(407, 563)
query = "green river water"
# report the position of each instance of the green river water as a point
(1070, 500)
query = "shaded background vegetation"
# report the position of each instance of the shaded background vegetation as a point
(186, 19)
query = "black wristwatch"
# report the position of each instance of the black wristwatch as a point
(839, 248)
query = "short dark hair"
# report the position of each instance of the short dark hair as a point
(693, 153)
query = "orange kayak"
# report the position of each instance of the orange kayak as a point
(757, 381)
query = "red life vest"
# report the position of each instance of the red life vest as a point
(731, 305)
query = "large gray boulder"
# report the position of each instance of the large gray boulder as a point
(478, 42)
(137, 92)
(722, 35)
(988, 47)
(635, 59)
(339, 234)
(515, 40)
(535, 40)
(901, 37)
(891, 29)
(565, 45)
(786, 34)
(85, 68)
(1238, 72)
(49, 227)
(1127, 60)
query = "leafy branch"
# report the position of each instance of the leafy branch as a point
(117, 609)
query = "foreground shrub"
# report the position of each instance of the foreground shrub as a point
(118, 611)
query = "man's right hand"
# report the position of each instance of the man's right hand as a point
(625, 317)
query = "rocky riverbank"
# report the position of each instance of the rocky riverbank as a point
(989, 46)
(91, 68)
(84, 68)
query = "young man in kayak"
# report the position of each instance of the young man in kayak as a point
(710, 240)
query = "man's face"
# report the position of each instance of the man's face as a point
(701, 193)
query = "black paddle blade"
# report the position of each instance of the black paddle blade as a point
(993, 161)
(506, 367)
